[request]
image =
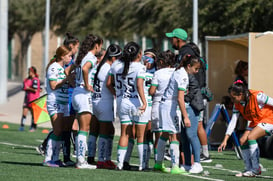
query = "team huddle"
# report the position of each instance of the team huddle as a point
(156, 96)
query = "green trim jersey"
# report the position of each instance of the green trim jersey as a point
(160, 80)
(56, 73)
(90, 57)
(179, 81)
(100, 88)
(136, 70)
(116, 71)
(147, 85)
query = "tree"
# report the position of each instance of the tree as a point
(221, 18)
(26, 17)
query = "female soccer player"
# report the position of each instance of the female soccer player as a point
(82, 102)
(102, 100)
(159, 83)
(57, 102)
(130, 81)
(256, 107)
(170, 117)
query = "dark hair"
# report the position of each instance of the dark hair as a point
(238, 88)
(70, 39)
(195, 49)
(112, 51)
(60, 51)
(240, 67)
(34, 70)
(88, 44)
(100, 54)
(130, 53)
(188, 59)
(166, 58)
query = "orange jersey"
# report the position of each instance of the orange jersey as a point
(253, 113)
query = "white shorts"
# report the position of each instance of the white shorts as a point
(128, 111)
(54, 108)
(146, 116)
(155, 116)
(267, 127)
(169, 120)
(81, 101)
(103, 110)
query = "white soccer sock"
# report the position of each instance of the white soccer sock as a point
(120, 156)
(161, 149)
(102, 146)
(81, 146)
(92, 145)
(49, 151)
(142, 154)
(246, 157)
(130, 147)
(109, 147)
(174, 149)
(254, 154)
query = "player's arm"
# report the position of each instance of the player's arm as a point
(110, 84)
(230, 129)
(85, 70)
(140, 89)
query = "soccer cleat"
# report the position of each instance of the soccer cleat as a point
(205, 159)
(60, 163)
(91, 161)
(32, 129)
(85, 165)
(21, 128)
(177, 170)
(240, 174)
(160, 167)
(69, 163)
(196, 168)
(249, 174)
(40, 149)
(110, 164)
(185, 167)
(50, 163)
(126, 166)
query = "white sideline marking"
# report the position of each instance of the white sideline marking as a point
(224, 169)
(205, 178)
(11, 144)
(234, 171)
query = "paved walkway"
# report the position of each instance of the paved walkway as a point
(11, 111)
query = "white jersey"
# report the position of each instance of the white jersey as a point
(147, 85)
(100, 88)
(90, 57)
(136, 70)
(116, 71)
(179, 81)
(56, 73)
(160, 80)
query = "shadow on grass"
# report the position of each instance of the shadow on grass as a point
(22, 163)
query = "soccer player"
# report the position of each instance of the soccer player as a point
(82, 102)
(102, 100)
(256, 107)
(57, 102)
